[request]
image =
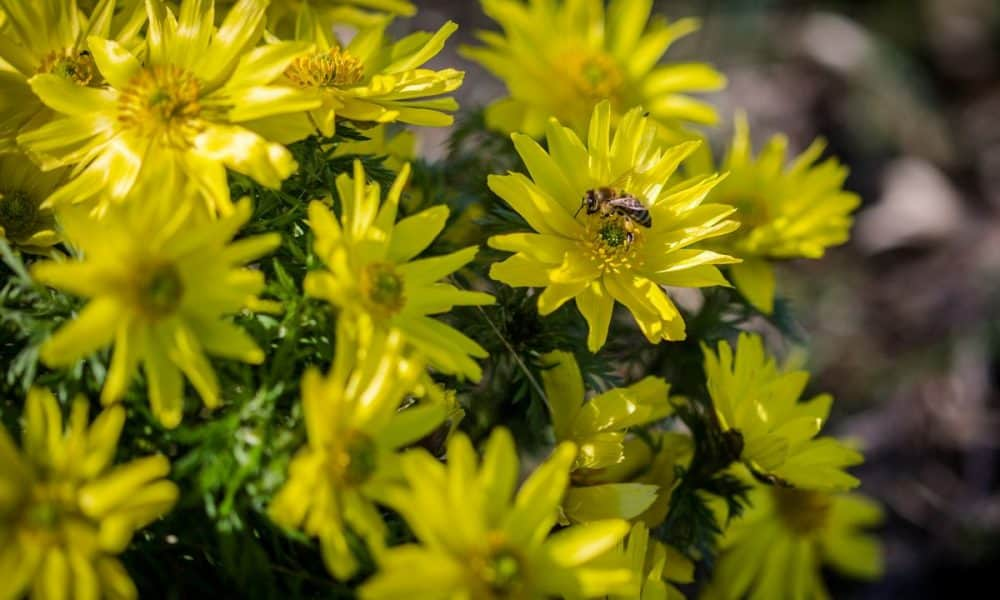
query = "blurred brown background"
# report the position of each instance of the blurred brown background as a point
(902, 321)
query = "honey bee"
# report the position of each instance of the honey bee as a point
(608, 201)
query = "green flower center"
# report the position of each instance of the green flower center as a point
(334, 68)
(19, 215)
(354, 459)
(752, 211)
(613, 234)
(383, 287)
(805, 512)
(77, 67)
(162, 102)
(503, 571)
(162, 292)
(594, 76)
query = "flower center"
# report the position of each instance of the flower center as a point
(353, 458)
(500, 570)
(383, 287)
(612, 241)
(161, 102)
(77, 67)
(19, 215)
(333, 68)
(161, 292)
(592, 77)
(804, 512)
(750, 210)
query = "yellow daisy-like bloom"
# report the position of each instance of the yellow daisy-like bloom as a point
(758, 404)
(793, 211)
(478, 540)
(191, 107)
(777, 547)
(65, 510)
(598, 427)
(50, 37)
(354, 427)
(587, 248)
(372, 81)
(159, 281)
(23, 188)
(372, 270)
(559, 58)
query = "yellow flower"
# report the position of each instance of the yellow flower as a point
(559, 58)
(777, 547)
(51, 37)
(597, 254)
(354, 428)
(371, 270)
(65, 510)
(23, 188)
(790, 211)
(477, 539)
(598, 428)
(191, 107)
(773, 432)
(284, 14)
(158, 280)
(655, 565)
(370, 80)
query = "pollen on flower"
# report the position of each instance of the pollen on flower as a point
(162, 102)
(77, 67)
(803, 511)
(612, 242)
(160, 293)
(333, 68)
(383, 287)
(352, 458)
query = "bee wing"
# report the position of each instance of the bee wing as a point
(619, 181)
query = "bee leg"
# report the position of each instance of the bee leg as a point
(629, 238)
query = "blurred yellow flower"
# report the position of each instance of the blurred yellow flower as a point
(65, 510)
(192, 105)
(588, 249)
(655, 566)
(371, 80)
(774, 433)
(398, 147)
(477, 539)
(372, 269)
(159, 280)
(50, 37)
(23, 188)
(598, 427)
(792, 211)
(283, 15)
(559, 58)
(777, 547)
(354, 428)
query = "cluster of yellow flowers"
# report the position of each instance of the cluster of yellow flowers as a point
(118, 123)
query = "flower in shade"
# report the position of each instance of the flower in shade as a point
(758, 403)
(476, 538)
(159, 281)
(24, 223)
(777, 548)
(371, 80)
(599, 427)
(354, 428)
(597, 255)
(559, 58)
(193, 104)
(372, 269)
(50, 37)
(796, 210)
(66, 510)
